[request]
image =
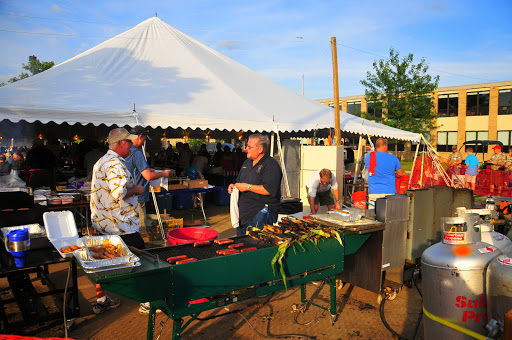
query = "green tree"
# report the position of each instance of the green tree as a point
(401, 90)
(34, 66)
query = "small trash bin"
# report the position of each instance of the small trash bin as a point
(222, 197)
(164, 201)
(182, 201)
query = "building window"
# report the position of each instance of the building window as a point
(504, 102)
(506, 138)
(478, 103)
(445, 140)
(448, 105)
(372, 110)
(354, 108)
(332, 105)
(478, 135)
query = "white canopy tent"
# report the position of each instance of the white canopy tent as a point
(174, 81)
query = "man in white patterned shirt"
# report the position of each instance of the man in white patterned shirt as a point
(114, 201)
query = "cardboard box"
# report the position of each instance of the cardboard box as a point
(176, 186)
(197, 183)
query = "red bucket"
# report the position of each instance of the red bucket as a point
(358, 197)
(191, 235)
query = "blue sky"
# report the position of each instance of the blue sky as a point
(465, 42)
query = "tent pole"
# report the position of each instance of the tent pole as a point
(281, 156)
(359, 155)
(414, 163)
(272, 144)
(336, 90)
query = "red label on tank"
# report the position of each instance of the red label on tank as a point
(456, 238)
(472, 307)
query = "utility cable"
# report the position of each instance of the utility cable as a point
(276, 336)
(64, 301)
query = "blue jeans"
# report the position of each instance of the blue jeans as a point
(258, 221)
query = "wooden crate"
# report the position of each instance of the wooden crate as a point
(197, 183)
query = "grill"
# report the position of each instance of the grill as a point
(203, 253)
(216, 280)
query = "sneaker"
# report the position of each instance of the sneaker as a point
(144, 308)
(109, 303)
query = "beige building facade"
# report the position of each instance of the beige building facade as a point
(465, 112)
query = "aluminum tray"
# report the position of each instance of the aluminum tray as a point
(34, 230)
(38, 239)
(87, 261)
(93, 266)
(344, 215)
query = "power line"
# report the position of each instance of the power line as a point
(433, 69)
(132, 25)
(59, 19)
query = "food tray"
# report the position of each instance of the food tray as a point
(345, 215)
(61, 230)
(86, 260)
(94, 266)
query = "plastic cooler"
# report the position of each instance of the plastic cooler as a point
(191, 235)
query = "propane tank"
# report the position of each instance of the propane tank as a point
(499, 292)
(453, 275)
(488, 234)
(495, 238)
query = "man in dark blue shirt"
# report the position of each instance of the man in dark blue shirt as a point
(259, 183)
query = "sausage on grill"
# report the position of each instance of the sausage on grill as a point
(236, 245)
(247, 249)
(202, 244)
(227, 251)
(224, 241)
(191, 259)
(173, 259)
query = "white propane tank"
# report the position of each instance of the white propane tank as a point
(498, 240)
(453, 275)
(499, 292)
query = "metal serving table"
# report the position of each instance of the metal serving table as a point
(26, 296)
(221, 280)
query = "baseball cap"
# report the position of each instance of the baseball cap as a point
(120, 134)
(140, 130)
(496, 147)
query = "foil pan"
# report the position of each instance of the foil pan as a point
(344, 215)
(86, 260)
(38, 239)
(92, 266)
(34, 230)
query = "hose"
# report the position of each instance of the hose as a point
(421, 311)
(64, 302)
(383, 318)
(277, 336)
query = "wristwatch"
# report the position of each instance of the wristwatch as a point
(249, 187)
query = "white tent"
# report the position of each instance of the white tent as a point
(174, 81)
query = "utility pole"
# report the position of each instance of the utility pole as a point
(336, 91)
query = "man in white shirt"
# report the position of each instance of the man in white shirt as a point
(319, 187)
(114, 201)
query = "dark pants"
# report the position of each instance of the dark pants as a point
(258, 221)
(134, 240)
